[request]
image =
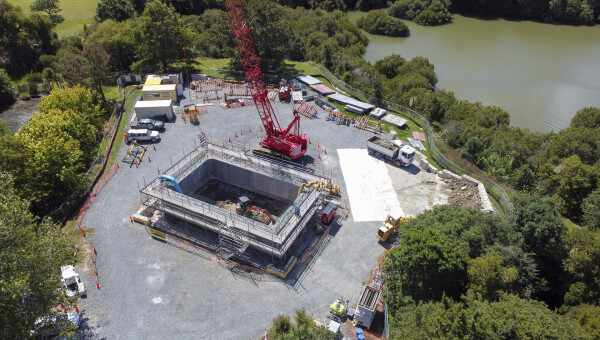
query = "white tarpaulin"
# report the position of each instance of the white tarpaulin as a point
(372, 194)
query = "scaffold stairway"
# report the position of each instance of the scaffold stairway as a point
(232, 242)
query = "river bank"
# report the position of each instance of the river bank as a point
(19, 113)
(541, 74)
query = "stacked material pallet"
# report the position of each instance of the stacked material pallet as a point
(210, 85)
(378, 113)
(236, 90)
(363, 124)
(306, 109)
(390, 118)
(336, 116)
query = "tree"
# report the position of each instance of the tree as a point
(380, 22)
(537, 222)
(487, 276)
(583, 264)
(508, 318)
(75, 98)
(53, 167)
(575, 182)
(118, 10)
(524, 178)
(160, 34)
(49, 7)
(6, 90)
(327, 55)
(388, 66)
(426, 265)
(116, 39)
(588, 319)
(23, 39)
(282, 328)
(588, 117)
(30, 260)
(591, 211)
(270, 33)
(434, 109)
(90, 69)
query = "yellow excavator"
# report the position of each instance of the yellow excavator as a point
(334, 190)
(391, 226)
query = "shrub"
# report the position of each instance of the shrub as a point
(6, 89)
(380, 22)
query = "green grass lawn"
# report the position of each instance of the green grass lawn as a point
(76, 13)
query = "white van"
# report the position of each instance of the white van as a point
(141, 135)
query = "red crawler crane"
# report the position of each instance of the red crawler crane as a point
(288, 143)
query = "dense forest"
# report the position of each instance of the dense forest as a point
(456, 273)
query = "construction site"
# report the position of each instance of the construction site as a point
(255, 202)
(237, 202)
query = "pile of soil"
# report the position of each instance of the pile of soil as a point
(385, 143)
(254, 214)
(227, 205)
(464, 194)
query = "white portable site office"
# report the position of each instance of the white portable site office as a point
(153, 108)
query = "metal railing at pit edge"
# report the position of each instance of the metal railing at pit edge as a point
(491, 187)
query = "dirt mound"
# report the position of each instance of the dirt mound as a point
(464, 194)
(227, 205)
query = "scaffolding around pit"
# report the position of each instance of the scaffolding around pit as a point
(236, 233)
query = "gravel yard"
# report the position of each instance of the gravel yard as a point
(151, 290)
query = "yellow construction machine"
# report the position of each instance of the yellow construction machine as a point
(391, 226)
(333, 189)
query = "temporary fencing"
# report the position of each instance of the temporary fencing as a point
(99, 185)
(96, 169)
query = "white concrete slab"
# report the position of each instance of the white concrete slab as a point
(370, 188)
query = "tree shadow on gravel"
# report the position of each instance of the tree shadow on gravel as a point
(86, 331)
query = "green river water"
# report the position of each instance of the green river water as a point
(542, 74)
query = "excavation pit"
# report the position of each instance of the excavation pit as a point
(211, 180)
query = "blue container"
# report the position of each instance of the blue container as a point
(359, 331)
(360, 337)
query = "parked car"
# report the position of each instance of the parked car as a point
(147, 123)
(141, 135)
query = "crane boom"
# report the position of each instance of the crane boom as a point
(289, 141)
